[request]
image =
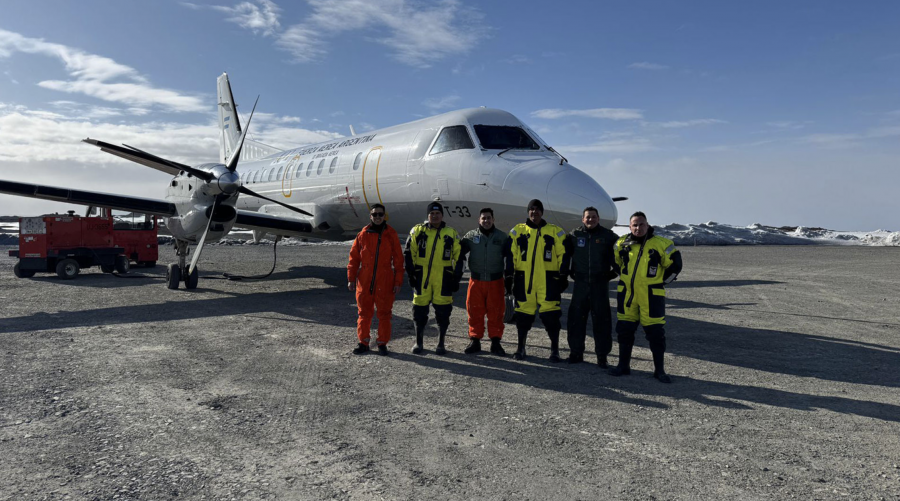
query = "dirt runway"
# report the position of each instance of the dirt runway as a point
(785, 360)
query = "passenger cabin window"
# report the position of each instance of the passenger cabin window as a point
(357, 160)
(320, 167)
(272, 175)
(309, 167)
(280, 170)
(255, 176)
(264, 175)
(333, 165)
(503, 137)
(299, 168)
(452, 138)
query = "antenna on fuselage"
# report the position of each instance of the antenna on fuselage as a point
(352, 132)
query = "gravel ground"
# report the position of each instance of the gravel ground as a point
(785, 360)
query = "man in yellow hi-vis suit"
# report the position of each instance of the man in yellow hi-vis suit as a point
(434, 269)
(646, 263)
(538, 250)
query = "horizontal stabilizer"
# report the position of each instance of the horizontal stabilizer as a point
(279, 225)
(89, 198)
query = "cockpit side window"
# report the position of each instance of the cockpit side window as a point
(452, 138)
(502, 137)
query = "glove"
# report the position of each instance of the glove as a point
(563, 284)
(455, 286)
(508, 285)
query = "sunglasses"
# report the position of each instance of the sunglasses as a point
(377, 214)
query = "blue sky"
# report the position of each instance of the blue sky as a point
(782, 113)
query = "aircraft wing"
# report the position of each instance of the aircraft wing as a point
(90, 198)
(279, 225)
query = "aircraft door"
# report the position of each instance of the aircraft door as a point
(287, 179)
(371, 195)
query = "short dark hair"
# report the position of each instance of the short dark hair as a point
(637, 214)
(588, 209)
(377, 206)
(487, 210)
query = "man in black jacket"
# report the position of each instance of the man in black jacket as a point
(592, 269)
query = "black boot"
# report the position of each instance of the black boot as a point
(659, 370)
(382, 350)
(575, 358)
(496, 348)
(520, 349)
(601, 362)
(474, 346)
(624, 367)
(360, 349)
(440, 350)
(420, 338)
(554, 348)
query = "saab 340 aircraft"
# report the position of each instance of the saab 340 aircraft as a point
(466, 160)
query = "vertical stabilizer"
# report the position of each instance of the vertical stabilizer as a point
(229, 124)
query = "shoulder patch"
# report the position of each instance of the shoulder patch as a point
(512, 232)
(561, 233)
(670, 249)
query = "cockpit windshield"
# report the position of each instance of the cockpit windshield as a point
(504, 137)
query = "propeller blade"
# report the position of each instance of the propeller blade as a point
(199, 247)
(248, 191)
(236, 154)
(202, 174)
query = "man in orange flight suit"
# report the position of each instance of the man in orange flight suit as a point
(375, 272)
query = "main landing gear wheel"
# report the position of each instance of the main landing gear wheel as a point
(173, 276)
(190, 280)
(20, 273)
(67, 269)
(122, 265)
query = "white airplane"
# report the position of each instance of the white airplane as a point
(466, 160)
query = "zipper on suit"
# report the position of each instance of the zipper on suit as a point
(431, 258)
(533, 255)
(634, 271)
(375, 271)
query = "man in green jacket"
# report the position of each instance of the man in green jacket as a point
(591, 268)
(487, 249)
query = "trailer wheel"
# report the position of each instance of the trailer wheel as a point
(122, 265)
(107, 268)
(67, 269)
(20, 273)
(190, 281)
(173, 276)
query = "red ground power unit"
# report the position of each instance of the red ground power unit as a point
(66, 243)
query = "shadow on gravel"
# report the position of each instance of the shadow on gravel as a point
(582, 379)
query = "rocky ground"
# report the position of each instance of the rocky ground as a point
(786, 367)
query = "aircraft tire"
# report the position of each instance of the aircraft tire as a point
(20, 273)
(173, 276)
(122, 265)
(191, 280)
(67, 269)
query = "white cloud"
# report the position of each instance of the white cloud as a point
(93, 76)
(685, 123)
(519, 59)
(261, 18)
(417, 34)
(613, 146)
(441, 103)
(647, 66)
(789, 124)
(607, 113)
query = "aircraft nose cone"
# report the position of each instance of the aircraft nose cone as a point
(569, 192)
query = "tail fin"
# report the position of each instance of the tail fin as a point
(230, 128)
(229, 124)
